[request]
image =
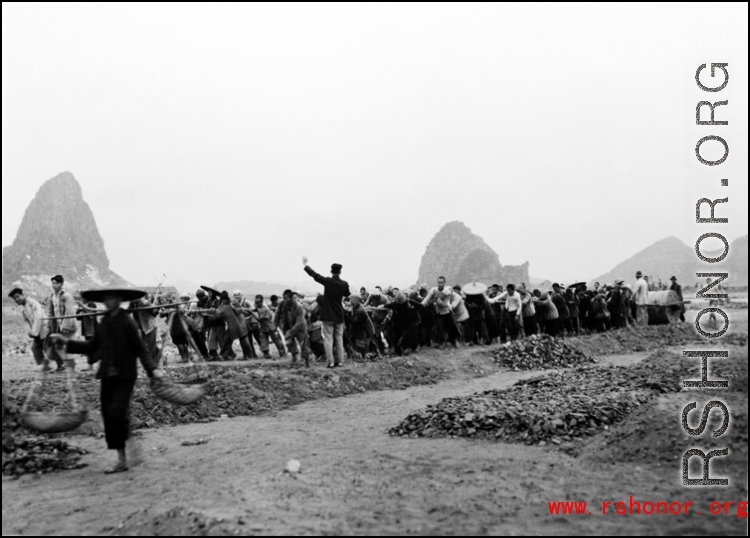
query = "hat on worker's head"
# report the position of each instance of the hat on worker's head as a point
(211, 290)
(200, 293)
(673, 278)
(638, 274)
(225, 296)
(124, 294)
(336, 269)
(400, 298)
(619, 282)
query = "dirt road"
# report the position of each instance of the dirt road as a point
(355, 479)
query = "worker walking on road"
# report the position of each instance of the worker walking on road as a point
(116, 345)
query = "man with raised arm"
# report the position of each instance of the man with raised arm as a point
(332, 312)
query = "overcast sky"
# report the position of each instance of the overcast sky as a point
(222, 142)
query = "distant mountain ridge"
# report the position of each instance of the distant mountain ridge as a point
(462, 257)
(670, 256)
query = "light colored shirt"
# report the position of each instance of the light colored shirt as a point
(640, 292)
(512, 302)
(445, 300)
(62, 304)
(528, 305)
(33, 312)
(460, 312)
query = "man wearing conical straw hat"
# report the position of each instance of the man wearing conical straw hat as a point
(116, 346)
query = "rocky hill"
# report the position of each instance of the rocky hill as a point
(671, 256)
(58, 235)
(462, 257)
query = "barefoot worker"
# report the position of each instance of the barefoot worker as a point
(116, 346)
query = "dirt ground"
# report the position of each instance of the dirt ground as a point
(356, 479)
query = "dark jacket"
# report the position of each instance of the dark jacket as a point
(362, 325)
(291, 320)
(407, 314)
(476, 305)
(117, 344)
(562, 307)
(331, 309)
(571, 299)
(616, 303)
(235, 328)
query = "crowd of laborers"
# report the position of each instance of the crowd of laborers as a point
(337, 322)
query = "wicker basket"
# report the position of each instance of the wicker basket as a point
(178, 393)
(54, 422)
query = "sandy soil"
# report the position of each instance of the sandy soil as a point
(355, 479)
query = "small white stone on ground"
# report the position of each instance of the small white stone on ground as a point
(293, 467)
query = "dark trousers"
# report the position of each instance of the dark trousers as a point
(200, 342)
(514, 325)
(265, 342)
(446, 326)
(530, 325)
(552, 327)
(378, 337)
(150, 340)
(475, 331)
(115, 399)
(247, 348)
(405, 338)
(424, 335)
(502, 325)
(37, 349)
(619, 320)
(49, 349)
(573, 325)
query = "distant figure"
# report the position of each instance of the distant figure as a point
(443, 298)
(291, 320)
(268, 331)
(145, 321)
(548, 315)
(461, 313)
(675, 287)
(562, 307)
(36, 327)
(617, 306)
(363, 295)
(60, 303)
(362, 328)
(640, 297)
(236, 329)
(514, 311)
(332, 312)
(405, 324)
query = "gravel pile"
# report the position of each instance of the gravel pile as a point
(556, 407)
(539, 352)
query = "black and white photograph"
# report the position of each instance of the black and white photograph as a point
(367, 269)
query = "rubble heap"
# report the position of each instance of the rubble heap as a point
(554, 407)
(539, 352)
